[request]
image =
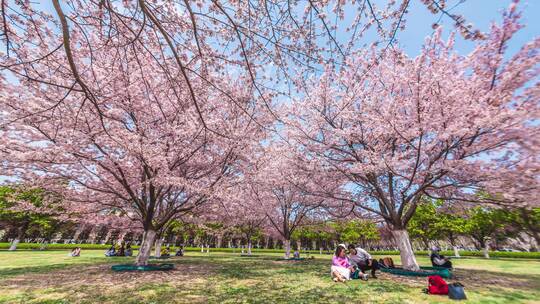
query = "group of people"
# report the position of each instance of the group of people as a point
(123, 250)
(352, 264)
(166, 252)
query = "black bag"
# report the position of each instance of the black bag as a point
(456, 291)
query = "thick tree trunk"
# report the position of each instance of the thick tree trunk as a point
(219, 241)
(157, 250)
(298, 245)
(456, 251)
(287, 247)
(249, 248)
(93, 235)
(108, 236)
(78, 232)
(408, 260)
(486, 252)
(14, 244)
(202, 248)
(320, 250)
(20, 235)
(149, 237)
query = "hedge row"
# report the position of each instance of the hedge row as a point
(495, 254)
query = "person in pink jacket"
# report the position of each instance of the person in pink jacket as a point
(341, 268)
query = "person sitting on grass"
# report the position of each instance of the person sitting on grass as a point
(363, 260)
(166, 252)
(75, 252)
(111, 252)
(438, 260)
(180, 251)
(341, 268)
(296, 254)
(129, 251)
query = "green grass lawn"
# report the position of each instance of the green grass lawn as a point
(53, 277)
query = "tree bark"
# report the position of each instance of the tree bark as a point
(287, 245)
(456, 251)
(149, 237)
(78, 233)
(14, 244)
(408, 260)
(219, 241)
(249, 247)
(20, 235)
(108, 236)
(93, 235)
(485, 248)
(157, 250)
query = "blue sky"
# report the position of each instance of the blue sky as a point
(479, 12)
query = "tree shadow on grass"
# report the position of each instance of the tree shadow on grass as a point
(6, 273)
(477, 279)
(273, 291)
(480, 278)
(10, 272)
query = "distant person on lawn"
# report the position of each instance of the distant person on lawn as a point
(438, 260)
(166, 252)
(363, 260)
(75, 252)
(129, 251)
(111, 252)
(341, 268)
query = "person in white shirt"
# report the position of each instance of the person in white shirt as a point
(363, 260)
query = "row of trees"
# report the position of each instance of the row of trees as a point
(433, 224)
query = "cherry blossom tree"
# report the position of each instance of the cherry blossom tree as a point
(245, 213)
(270, 43)
(441, 124)
(281, 184)
(131, 140)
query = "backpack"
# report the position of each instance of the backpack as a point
(456, 291)
(436, 285)
(387, 263)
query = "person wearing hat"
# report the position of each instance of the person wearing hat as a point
(438, 260)
(341, 269)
